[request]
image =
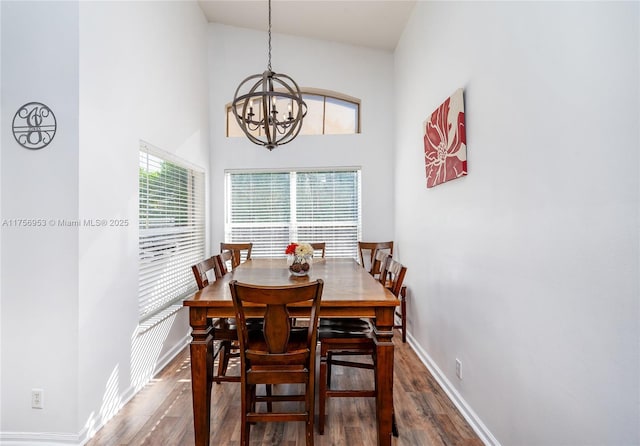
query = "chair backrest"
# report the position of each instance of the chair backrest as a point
(319, 246)
(277, 321)
(240, 252)
(367, 252)
(201, 269)
(221, 263)
(392, 275)
(380, 261)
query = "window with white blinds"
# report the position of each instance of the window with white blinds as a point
(272, 209)
(172, 229)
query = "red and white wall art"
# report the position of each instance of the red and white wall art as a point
(445, 141)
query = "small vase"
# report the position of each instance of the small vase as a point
(299, 265)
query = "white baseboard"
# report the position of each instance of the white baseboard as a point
(467, 412)
(38, 439)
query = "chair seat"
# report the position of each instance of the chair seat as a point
(327, 335)
(346, 323)
(225, 329)
(225, 324)
(230, 323)
(355, 321)
(343, 331)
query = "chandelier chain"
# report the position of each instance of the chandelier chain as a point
(269, 64)
(269, 107)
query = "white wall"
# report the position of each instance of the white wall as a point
(140, 74)
(39, 264)
(527, 269)
(147, 81)
(2, 130)
(235, 53)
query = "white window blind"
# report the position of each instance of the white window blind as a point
(172, 229)
(272, 209)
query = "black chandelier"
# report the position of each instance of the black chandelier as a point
(260, 110)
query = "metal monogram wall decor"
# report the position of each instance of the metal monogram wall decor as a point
(34, 126)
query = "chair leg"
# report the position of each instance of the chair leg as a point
(403, 310)
(322, 393)
(223, 360)
(328, 360)
(268, 392)
(252, 399)
(221, 353)
(394, 426)
(245, 404)
(310, 403)
(309, 433)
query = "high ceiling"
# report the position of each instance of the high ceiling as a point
(371, 23)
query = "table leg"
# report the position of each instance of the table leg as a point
(384, 373)
(201, 373)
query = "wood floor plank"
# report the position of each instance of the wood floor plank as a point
(161, 413)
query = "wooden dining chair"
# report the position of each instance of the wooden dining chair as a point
(319, 246)
(204, 271)
(353, 337)
(222, 260)
(380, 259)
(240, 252)
(350, 323)
(223, 329)
(392, 276)
(278, 353)
(367, 254)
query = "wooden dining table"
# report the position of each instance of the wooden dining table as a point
(349, 291)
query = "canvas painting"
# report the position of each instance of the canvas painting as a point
(445, 142)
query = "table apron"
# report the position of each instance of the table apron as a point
(324, 312)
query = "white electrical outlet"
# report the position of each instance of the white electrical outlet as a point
(37, 398)
(458, 368)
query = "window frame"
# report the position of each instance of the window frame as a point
(162, 284)
(294, 224)
(311, 91)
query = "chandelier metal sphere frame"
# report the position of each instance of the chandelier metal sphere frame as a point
(269, 93)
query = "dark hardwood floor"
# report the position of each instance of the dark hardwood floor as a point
(161, 413)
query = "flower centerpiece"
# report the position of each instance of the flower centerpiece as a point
(299, 258)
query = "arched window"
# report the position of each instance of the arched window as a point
(328, 113)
